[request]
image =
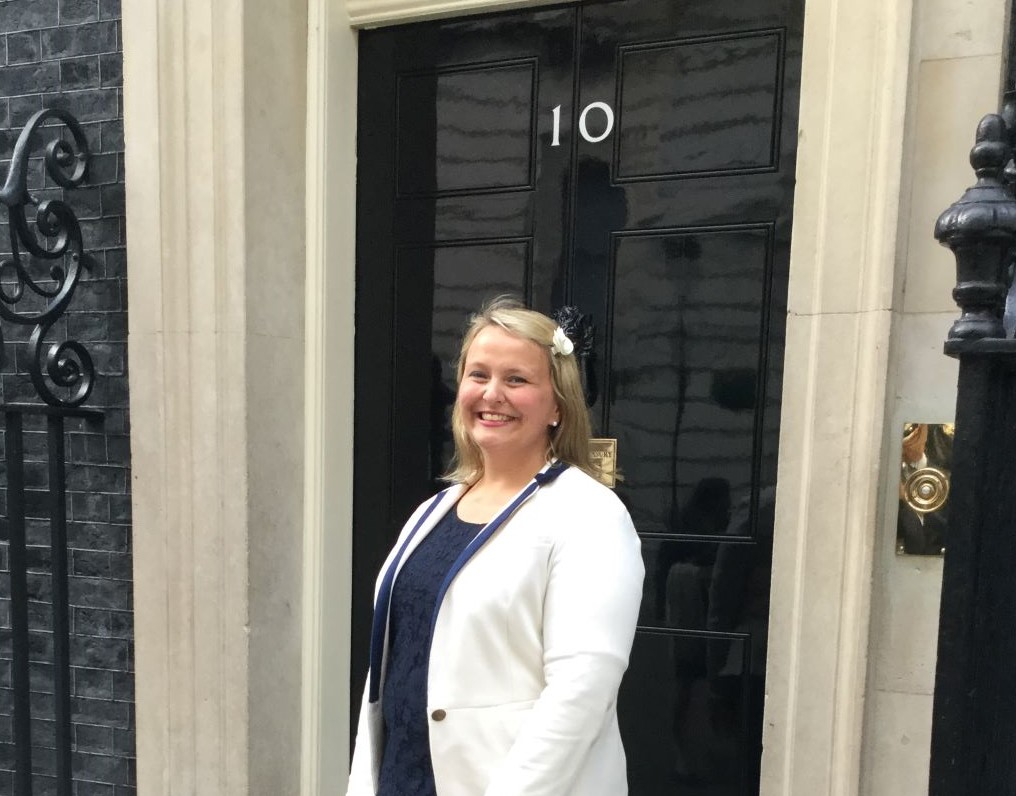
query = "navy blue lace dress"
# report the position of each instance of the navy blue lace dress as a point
(406, 768)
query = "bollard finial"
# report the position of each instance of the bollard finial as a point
(980, 228)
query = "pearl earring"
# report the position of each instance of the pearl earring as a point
(554, 424)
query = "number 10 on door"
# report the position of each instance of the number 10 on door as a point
(601, 107)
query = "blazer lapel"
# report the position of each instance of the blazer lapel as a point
(548, 474)
(436, 509)
(449, 499)
(432, 515)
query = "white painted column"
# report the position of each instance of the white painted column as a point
(853, 100)
(328, 427)
(215, 116)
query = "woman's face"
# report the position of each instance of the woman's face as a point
(506, 398)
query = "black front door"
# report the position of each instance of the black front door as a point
(634, 159)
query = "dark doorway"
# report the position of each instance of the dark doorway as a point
(634, 159)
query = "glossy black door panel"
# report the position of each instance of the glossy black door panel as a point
(686, 359)
(482, 138)
(635, 159)
(690, 727)
(466, 217)
(455, 278)
(717, 113)
(682, 222)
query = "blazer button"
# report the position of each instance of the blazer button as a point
(438, 715)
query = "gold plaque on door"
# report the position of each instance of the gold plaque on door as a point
(604, 452)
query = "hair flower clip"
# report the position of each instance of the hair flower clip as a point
(561, 345)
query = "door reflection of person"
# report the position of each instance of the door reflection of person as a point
(739, 603)
(723, 588)
(683, 571)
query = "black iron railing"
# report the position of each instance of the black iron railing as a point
(37, 282)
(974, 720)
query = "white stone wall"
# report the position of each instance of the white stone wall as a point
(215, 111)
(955, 79)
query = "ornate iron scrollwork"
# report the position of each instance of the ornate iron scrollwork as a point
(55, 240)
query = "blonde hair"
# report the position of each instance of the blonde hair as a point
(569, 441)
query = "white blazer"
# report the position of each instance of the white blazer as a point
(530, 643)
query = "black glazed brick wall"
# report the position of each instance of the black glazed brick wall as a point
(67, 53)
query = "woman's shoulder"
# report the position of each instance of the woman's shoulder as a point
(578, 479)
(580, 494)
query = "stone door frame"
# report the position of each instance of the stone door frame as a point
(240, 191)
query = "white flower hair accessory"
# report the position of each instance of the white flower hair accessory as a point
(561, 345)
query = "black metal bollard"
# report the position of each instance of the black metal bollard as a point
(974, 719)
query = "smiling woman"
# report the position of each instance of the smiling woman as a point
(505, 614)
(534, 352)
(506, 404)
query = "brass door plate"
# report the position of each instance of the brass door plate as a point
(925, 464)
(604, 453)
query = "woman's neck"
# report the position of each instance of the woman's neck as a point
(512, 474)
(498, 484)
